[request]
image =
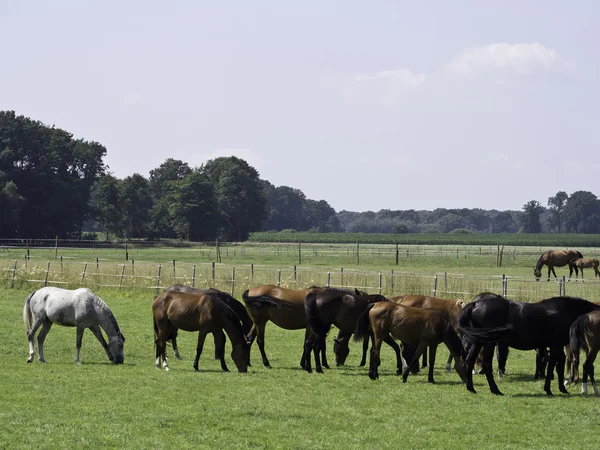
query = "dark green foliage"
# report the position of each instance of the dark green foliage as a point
(581, 213)
(106, 204)
(530, 217)
(136, 202)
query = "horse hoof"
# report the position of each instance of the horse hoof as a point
(471, 389)
(326, 366)
(29, 360)
(404, 379)
(497, 393)
(319, 370)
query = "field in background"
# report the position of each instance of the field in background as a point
(97, 405)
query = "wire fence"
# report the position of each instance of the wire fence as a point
(153, 278)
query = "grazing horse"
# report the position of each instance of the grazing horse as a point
(218, 336)
(80, 308)
(557, 258)
(342, 309)
(423, 327)
(206, 313)
(284, 307)
(586, 263)
(452, 306)
(488, 321)
(585, 333)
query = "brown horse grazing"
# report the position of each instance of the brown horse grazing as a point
(218, 336)
(585, 333)
(205, 313)
(342, 309)
(424, 327)
(452, 306)
(572, 367)
(586, 263)
(557, 258)
(284, 307)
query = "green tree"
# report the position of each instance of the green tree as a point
(106, 204)
(285, 208)
(530, 217)
(193, 208)
(136, 202)
(10, 207)
(321, 216)
(556, 206)
(581, 213)
(240, 197)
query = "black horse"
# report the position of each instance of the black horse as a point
(492, 320)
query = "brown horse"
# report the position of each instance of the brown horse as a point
(586, 263)
(342, 309)
(284, 307)
(451, 306)
(585, 333)
(205, 313)
(557, 258)
(423, 327)
(572, 367)
(218, 336)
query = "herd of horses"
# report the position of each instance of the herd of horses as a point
(471, 331)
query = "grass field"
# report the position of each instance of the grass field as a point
(97, 405)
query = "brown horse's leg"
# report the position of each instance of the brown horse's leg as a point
(418, 352)
(588, 369)
(389, 340)
(472, 354)
(201, 338)
(220, 340)
(260, 340)
(572, 366)
(424, 363)
(375, 358)
(486, 363)
(432, 352)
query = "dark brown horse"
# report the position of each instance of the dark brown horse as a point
(585, 334)
(586, 263)
(451, 306)
(342, 309)
(423, 327)
(557, 258)
(205, 313)
(572, 375)
(218, 336)
(284, 307)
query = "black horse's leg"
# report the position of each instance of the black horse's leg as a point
(220, 340)
(421, 347)
(374, 363)
(486, 363)
(502, 357)
(560, 369)
(260, 340)
(472, 354)
(201, 338)
(389, 340)
(432, 352)
(308, 346)
(449, 364)
(305, 353)
(323, 348)
(552, 360)
(424, 362)
(363, 360)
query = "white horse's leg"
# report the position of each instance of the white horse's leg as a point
(584, 389)
(595, 389)
(96, 330)
(30, 336)
(78, 341)
(42, 337)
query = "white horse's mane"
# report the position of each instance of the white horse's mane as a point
(104, 307)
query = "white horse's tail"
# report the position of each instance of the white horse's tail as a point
(27, 318)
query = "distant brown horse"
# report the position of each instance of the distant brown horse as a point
(424, 327)
(219, 337)
(586, 263)
(557, 258)
(284, 307)
(451, 306)
(205, 313)
(340, 308)
(585, 333)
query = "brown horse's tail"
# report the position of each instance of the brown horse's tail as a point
(263, 301)
(578, 336)
(579, 253)
(363, 324)
(312, 314)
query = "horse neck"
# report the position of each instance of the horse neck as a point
(540, 262)
(235, 333)
(107, 319)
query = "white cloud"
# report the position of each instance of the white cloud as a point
(519, 58)
(132, 98)
(399, 79)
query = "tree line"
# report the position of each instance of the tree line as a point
(52, 184)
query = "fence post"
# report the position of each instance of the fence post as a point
(397, 253)
(380, 282)
(14, 272)
(126, 252)
(83, 274)
(96, 264)
(299, 254)
(295, 277)
(252, 272)
(357, 254)
(328, 279)
(392, 281)
(193, 275)
(132, 267)
(47, 270)
(504, 285)
(435, 285)
(158, 278)
(232, 280)
(445, 281)
(174, 269)
(342, 276)
(213, 271)
(122, 273)
(278, 277)
(564, 286)
(61, 263)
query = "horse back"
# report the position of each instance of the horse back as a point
(184, 310)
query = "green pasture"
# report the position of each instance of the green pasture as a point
(97, 405)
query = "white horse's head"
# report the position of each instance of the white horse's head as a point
(115, 346)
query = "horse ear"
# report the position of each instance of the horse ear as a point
(121, 335)
(356, 291)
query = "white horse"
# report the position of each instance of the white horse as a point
(79, 308)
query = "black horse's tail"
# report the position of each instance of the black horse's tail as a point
(312, 314)
(264, 301)
(579, 253)
(222, 306)
(578, 334)
(239, 309)
(475, 334)
(363, 324)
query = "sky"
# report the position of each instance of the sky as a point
(367, 105)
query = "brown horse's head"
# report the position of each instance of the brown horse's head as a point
(461, 368)
(341, 350)
(241, 355)
(537, 273)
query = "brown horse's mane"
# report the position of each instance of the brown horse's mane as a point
(540, 261)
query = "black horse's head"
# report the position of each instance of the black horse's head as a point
(341, 350)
